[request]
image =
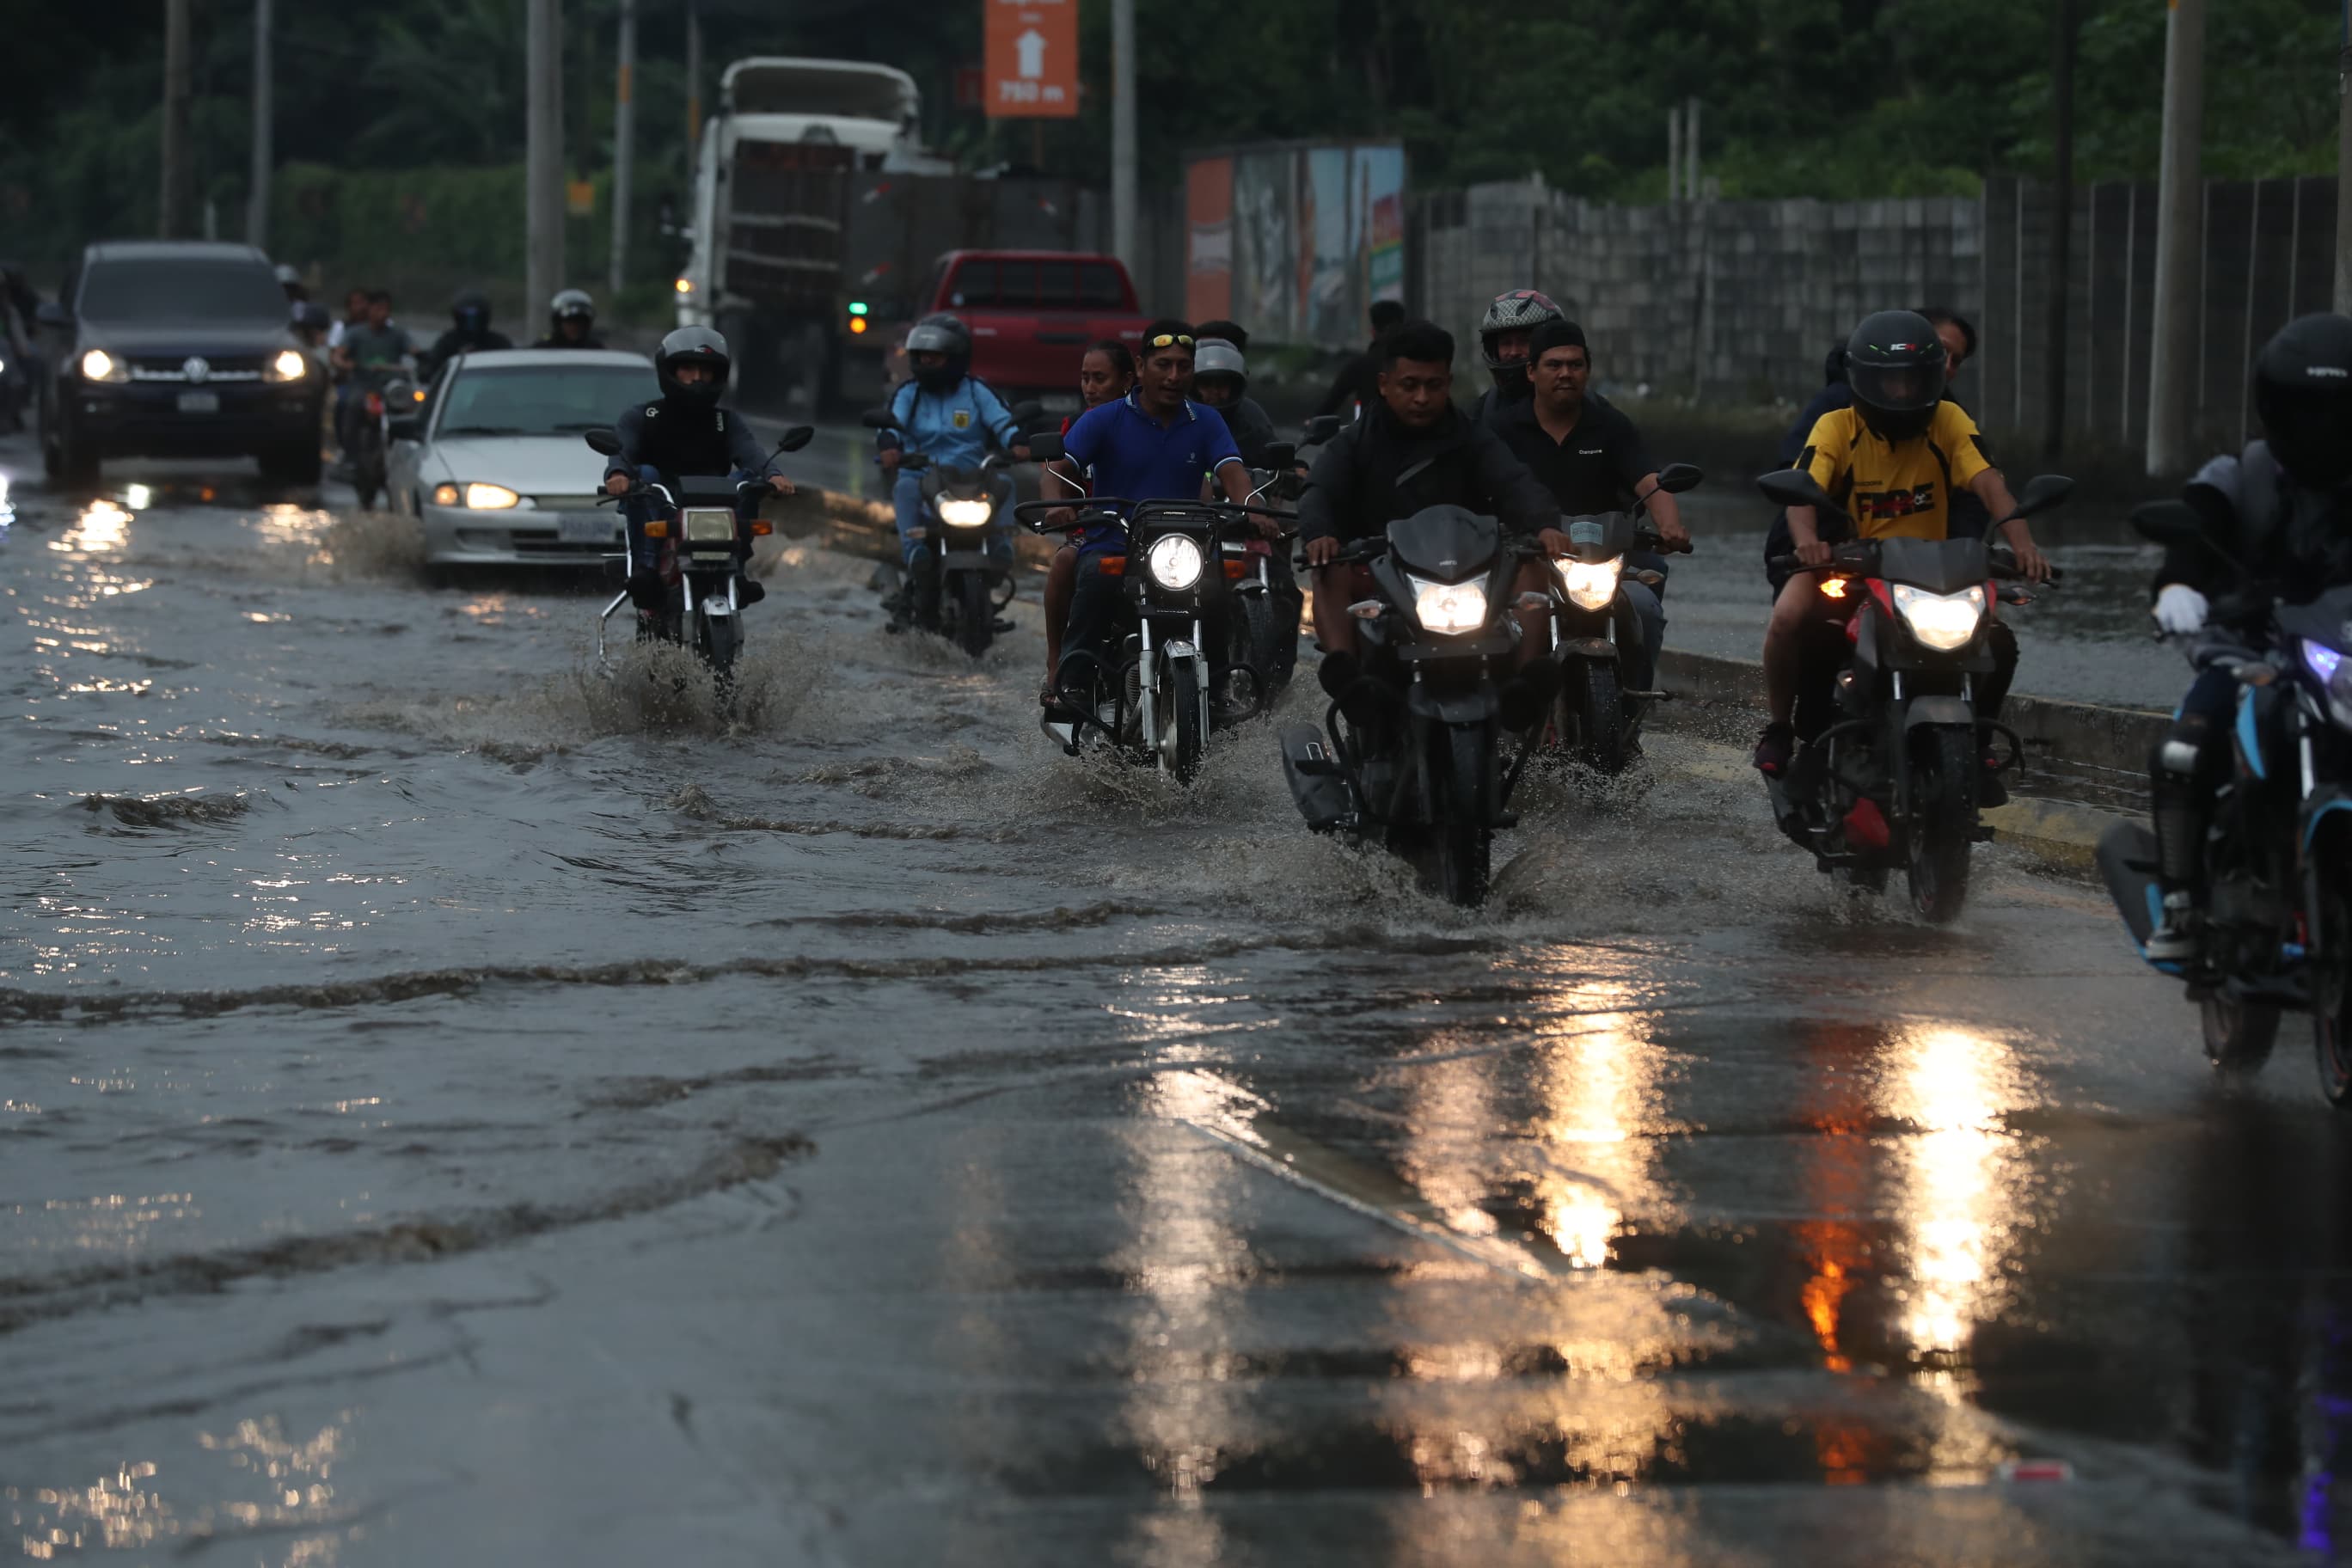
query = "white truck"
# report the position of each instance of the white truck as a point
(776, 181)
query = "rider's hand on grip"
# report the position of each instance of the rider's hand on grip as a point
(1813, 553)
(1322, 552)
(2179, 609)
(617, 484)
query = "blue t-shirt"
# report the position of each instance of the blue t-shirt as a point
(1128, 453)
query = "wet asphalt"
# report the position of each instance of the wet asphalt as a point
(457, 1106)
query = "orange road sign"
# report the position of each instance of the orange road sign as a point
(1032, 66)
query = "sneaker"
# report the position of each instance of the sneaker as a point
(2179, 937)
(1774, 748)
(749, 591)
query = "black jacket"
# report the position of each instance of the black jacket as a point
(1357, 382)
(2293, 542)
(453, 342)
(1376, 471)
(1253, 430)
(682, 440)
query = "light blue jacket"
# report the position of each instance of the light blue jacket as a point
(954, 428)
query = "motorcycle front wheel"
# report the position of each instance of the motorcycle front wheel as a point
(1183, 741)
(1600, 725)
(976, 612)
(1452, 853)
(1939, 836)
(2238, 1035)
(718, 640)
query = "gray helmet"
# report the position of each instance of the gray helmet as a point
(692, 345)
(1215, 356)
(287, 277)
(572, 305)
(940, 333)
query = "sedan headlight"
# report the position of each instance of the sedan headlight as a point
(292, 364)
(1175, 560)
(965, 513)
(489, 498)
(1449, 608)
(2335, 672)
(1591, 584)
(99, 366)
(1943, 621)
(709, 525)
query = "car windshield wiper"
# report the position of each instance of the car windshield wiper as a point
(481, 430)
(581, 425)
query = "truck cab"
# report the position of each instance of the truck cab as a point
(1032, 313)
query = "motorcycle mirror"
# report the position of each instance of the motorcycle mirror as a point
(1794, 487)
(1025, 412)
(2043, 491)
(49, 314)
(1321, 428)
(878, 419)
(1044, 448)
(1280, 455)
(796, 437)
(2168, 522)
(1676, 477)
(604, 441)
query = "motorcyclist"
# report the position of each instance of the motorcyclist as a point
(570, 322)
(372, 350)
(1894, 459)
(1358, 385)
(952, 417)
(1592, 460)
(1414, 449)
(2283, 512)
(683, 432)
(469, 333)
(290, 282)
(1503, 333)
(1106, 374)
(1221, 380)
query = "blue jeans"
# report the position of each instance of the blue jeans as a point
(906, 502)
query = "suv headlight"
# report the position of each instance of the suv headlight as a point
(965, 513)
(99, 366)
(1175, 561)
(290, 364)
(1449, 608)
(1942, 621)
(709, 525)
(1589, 584)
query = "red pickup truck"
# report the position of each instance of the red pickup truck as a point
(1031, 315)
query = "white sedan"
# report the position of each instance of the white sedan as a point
(495, 467)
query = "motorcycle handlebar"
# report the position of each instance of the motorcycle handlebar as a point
(2003, 564)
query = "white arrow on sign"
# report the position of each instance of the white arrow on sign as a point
(1031, 45)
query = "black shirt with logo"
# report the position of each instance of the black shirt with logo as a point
(1594, 470)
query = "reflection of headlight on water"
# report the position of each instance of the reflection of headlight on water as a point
(1449, 608)
(1944, 621)
(965, 513)
(1589, 584)
(1175, 562)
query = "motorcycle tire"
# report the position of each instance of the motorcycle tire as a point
(923, 591)
(1452, 854)
(976, 612)
(1600, 725)
(1183, 741)
(719, 640)
(2239, 1035)
(2331, 986)
(1943, 821)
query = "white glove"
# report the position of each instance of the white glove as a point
(2179, 609)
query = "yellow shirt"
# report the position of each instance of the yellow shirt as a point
(1895, 490)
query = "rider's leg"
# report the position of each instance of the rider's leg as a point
(645, 555)
(1335, 628)
(2184, 770)
(1784, 651)
(1641, 631)
(1094, 600)
(907, 506)
(1061, 584)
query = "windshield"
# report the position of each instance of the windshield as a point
(165, 290)
(542, 400)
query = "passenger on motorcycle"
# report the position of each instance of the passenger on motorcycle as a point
(372, 350)
(1503, 335)
(951, 417)
(2283, 511)
(1894, 459)
(570, 322)
(683, 432)
(1221, 380)
(1154, 444)
(1591, 458)
(469, 333)
(1411, 450)
(1106, 374)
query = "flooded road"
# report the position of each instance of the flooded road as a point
(456, 1108)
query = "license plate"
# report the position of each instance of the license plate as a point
(596, 529)
(200, 403)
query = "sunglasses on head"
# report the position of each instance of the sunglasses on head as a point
(1169, 340)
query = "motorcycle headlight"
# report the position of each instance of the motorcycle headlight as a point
(292, 364)
(1175, 561)
(1591, 584)
(2335, 673)
(965, 513)
(1449, 608)
(489, 498)
(99, 366)
(1944, 621)
(709, 525)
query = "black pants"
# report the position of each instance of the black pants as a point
(1095, 617)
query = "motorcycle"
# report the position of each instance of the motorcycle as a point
(389, 395)
(1438, 638)
(703, 532)
(1158, 695)
(1893, 781)
(2278, 854)
(1598, 718)
(1268, 591)
(953, 588)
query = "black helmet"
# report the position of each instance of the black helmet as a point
(1215, 359)
(1521, 310)
(1895, 365)
(941, 335)
(572, 305)
(692, 345)
(2302, 395)
(471, 310)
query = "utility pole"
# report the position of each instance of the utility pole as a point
(1690, 150)
(2062, 233)
(625, 135)
(256, 200)
(542, 152)
(2180, 212)
(1122, 133)
(693, 83)
(2344, 165)
(173, 214)
(1675, 148)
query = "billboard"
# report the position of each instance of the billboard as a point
(1296, 242)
